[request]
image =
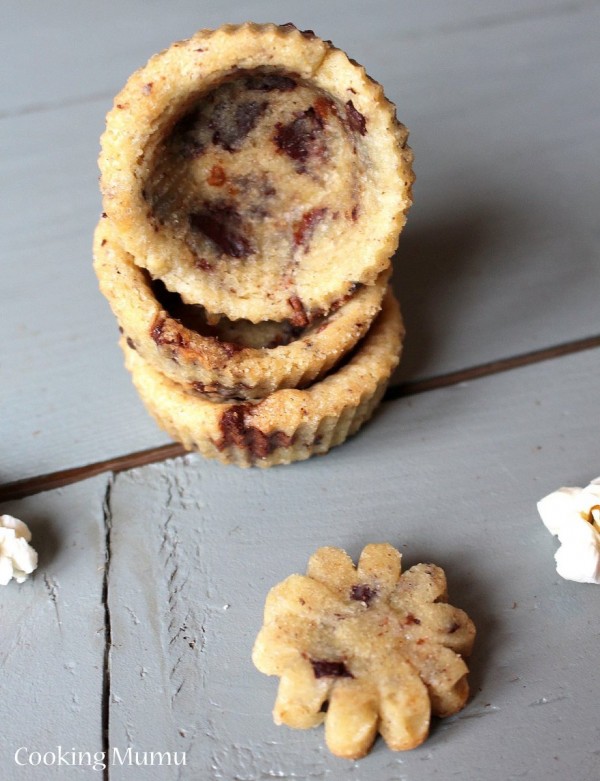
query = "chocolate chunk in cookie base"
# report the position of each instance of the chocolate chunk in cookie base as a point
(238, 431)
(325, 669)
(302, 138)
(231, 124)
(222, 224)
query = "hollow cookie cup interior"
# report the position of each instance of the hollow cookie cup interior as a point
(257, 171)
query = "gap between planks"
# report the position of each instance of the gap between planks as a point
(33, 485)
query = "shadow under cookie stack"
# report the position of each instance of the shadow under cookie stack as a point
(255, 182)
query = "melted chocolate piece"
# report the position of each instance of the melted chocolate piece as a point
(268, 82)
(325, 669)
(355, 119)
(237, 432)
(302, 137)
(186, 143)
(300, 318)
(222, 224)
(217, 176)
(324, 107)
(214, 389)
(410, 620)
(164, 330)
(305, 227)
(363, 593)
(231, 125)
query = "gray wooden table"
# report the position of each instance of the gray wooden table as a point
(136, 630)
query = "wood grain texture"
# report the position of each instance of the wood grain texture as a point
(52, 638)
(493, 263)
(28, 486)
(450, 476)
(499, 257)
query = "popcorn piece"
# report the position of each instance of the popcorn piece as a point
(17, 558)
(573, 515)
(365, 649)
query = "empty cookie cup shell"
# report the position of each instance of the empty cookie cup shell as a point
(230, 359)
(257, 171)
(289, 425)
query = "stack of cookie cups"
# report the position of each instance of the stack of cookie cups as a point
(255, 182)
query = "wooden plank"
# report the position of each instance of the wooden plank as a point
(52, 638)
(450, 476)
(494, 263)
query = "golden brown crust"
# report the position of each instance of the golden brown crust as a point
(289, 425)
(310, 250)
(378, 646)
(214, 361)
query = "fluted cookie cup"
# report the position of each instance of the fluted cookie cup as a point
(288, 425)
(257, 171)
(227, 359)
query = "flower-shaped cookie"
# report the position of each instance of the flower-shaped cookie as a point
(365, 649)
(573, 514)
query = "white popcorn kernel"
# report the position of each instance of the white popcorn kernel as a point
(17, 558)
(573, 515)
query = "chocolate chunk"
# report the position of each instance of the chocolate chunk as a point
(324, 107)
(217, 176)
(302, 137)
(355, 119)
(222, 224)
(268, 82)
(300, 318)
(165, 330)
(237, 432)
(363, 593)
(325, 669)
(231, 124)
(131, 343)
(305, 227)
(214, 389)
(410, 620)
(186, 142)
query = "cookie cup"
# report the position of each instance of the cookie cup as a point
(257, 201)
(288, 425)
(226, 359)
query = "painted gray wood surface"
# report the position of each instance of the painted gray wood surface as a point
(499, 258)
(52, 634)
(450, 476)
